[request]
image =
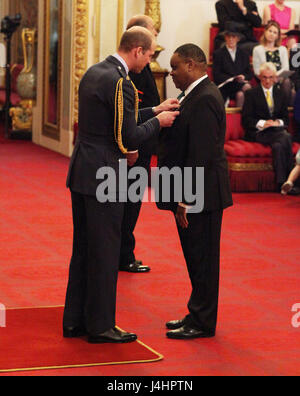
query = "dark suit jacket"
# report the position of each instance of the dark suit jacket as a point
(228, 11)
(197, 140)
(256, 109)
(146, 85)
(96, 145)
(149, 97)
(224, 67)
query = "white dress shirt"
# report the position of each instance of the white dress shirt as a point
(232, 53)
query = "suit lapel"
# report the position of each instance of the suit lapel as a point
(264, 100)
(276, 96)
(195, 91)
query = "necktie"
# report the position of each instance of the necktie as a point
(181, 96)
(269, 100)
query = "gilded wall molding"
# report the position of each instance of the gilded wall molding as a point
(80, 60)
(120, 27)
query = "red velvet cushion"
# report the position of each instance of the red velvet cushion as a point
(234, 129)
(241, 148)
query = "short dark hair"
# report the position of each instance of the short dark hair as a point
(136, 37)
(191, 51)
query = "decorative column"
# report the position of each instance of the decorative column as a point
(152, 9)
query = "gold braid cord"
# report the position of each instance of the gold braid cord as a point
(119, 113)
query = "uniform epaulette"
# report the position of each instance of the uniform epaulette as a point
(119, 113)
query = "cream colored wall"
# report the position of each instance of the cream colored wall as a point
(187, 21)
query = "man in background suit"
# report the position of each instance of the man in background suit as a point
(265, 118)
(108, 104)
(241, 14)
(149, 97)
(232, 62)
(196, 140)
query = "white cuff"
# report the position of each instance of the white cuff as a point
(260, 125)
(281, 123)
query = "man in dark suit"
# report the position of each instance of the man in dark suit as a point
(232, 62)
(265, 118)
(108, 110)
(242, 15)
(195, 141)
(148, 97)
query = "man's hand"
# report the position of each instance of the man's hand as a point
(167, 118)
(132, 158)
(270, 123)
(181, 217)
(167, 105)
(241, 78)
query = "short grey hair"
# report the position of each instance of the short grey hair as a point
(267, 66)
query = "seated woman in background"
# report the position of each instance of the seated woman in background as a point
(231, 62)
(288, 187)
(272, 51)
(285, 16)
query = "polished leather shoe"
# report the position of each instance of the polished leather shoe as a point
(135, 267)
(187, 333)
(175, 324)
(294, 191)
(73, 332)
(113, 335)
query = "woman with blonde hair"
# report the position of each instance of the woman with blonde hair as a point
(285, 16)
(271, 50)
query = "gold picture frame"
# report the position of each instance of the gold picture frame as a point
(52, 78)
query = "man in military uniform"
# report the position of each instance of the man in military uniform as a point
(148, 97)
(108, 113)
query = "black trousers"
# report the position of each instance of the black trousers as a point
(130, 218)
(93, 274)
(281, 144)
(201, 248)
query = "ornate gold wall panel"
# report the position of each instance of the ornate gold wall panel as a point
(80, 61)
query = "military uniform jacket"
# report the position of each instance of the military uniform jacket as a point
(108, 117)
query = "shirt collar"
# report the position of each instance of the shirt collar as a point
(194, 84)
(268, 90)
(121, 60)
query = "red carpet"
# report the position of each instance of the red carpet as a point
(32, 340)
(260, 273)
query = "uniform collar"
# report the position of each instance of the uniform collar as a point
(122, 61)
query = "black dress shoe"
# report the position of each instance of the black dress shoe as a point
(73, 332)
(294, 191)
(135, 267)
(175, 324)
(188, 333)
(112, 336)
